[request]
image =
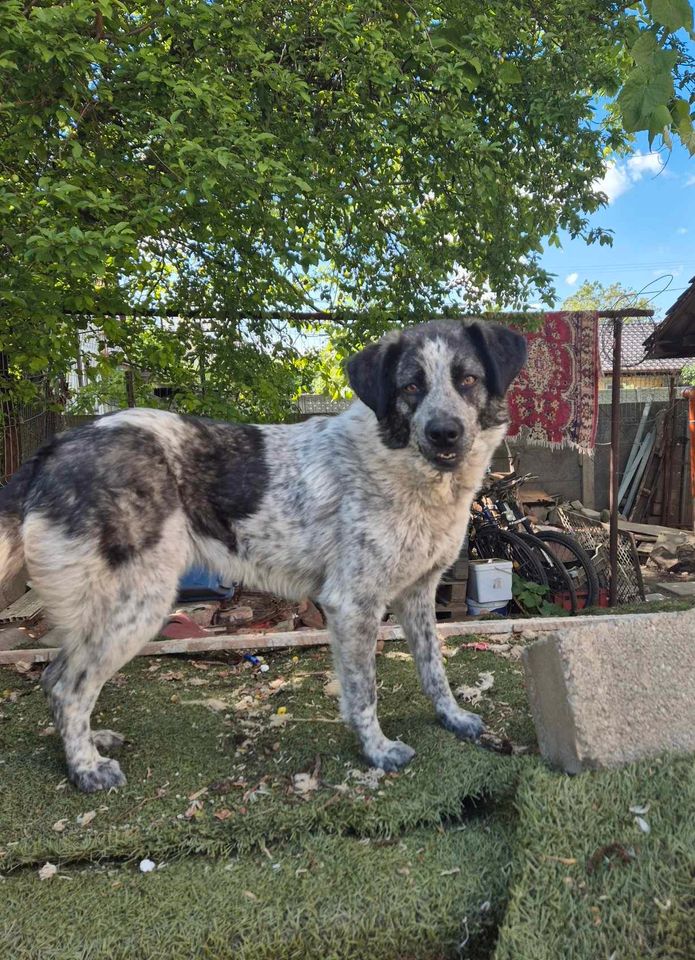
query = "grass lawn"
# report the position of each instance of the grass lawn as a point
(272, 840)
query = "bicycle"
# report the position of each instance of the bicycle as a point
(559, 549)
(487, 541)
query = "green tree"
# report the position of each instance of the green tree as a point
(592, 295)
(182, 178)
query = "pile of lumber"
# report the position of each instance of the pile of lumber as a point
(654, 488)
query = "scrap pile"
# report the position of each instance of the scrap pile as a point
(663, 558)
(23, 624)
(245, 611)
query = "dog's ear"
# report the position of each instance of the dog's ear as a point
(502, 352)
(372, 374)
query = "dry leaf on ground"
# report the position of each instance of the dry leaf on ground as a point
(304, 784)
(474, 694)
(332, 688)
(212, 703)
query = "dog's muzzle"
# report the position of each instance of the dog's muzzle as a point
(444, 437)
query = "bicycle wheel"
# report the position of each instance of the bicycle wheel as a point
(559, 580)
(577, 562)
(489, 542)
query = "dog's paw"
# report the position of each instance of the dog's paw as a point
(108, 741)
(392, 755)
(104, 775)
(466, 726)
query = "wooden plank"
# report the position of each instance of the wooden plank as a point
(318, 638)
(640, 468)
(25, 608)
(646, 530)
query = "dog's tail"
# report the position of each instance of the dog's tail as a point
(12, 497)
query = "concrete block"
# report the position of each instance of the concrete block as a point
(685, 589)
(605, 694)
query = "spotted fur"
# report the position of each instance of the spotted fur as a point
(358, 511)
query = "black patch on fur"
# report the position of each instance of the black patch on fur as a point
(223, 477)
(112, 483)
(394, 430)
(118, 484)
(372, 375)
(502, 353)
(13, 494)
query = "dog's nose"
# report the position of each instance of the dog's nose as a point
(444, 432)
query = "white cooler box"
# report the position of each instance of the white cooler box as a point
(490, 582)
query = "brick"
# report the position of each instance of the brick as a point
(608, 693)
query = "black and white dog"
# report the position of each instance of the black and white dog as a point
(356, 511)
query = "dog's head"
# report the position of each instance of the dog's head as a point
(437, 386)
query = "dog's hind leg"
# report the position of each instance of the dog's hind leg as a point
(104, 611)
(354, 631)
(74, 680)
(415, 610)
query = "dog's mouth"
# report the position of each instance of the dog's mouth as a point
(444, 460)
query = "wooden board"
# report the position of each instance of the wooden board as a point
(318, 638)
(27, 607)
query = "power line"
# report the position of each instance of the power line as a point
(635, 263)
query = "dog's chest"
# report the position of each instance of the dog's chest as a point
(426, 539)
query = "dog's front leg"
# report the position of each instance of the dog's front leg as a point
(354, 632)
(415, 609)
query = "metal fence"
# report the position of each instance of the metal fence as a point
(25, 428)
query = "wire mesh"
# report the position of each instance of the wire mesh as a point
(594, 537)
(26, 429)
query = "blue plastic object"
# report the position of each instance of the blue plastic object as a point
(198, 583)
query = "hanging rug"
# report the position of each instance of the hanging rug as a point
(554, 400)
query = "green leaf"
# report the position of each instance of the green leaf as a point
(680, 110)
(648, 53)
(659, 121)
(674, 14)
(509, 72)
(683, 123)
(641, 95)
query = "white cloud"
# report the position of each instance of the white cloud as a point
(682, 231)
(622, 176)
(690, 180)
(642, 163)
(571, 279)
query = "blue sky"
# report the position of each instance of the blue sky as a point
(652, 215)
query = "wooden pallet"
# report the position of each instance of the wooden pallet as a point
(453, 612)
(449, 593)
(451, 599)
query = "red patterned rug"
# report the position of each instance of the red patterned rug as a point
(554, 400)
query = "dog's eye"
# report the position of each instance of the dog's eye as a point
(411, 388)
(468, 380)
